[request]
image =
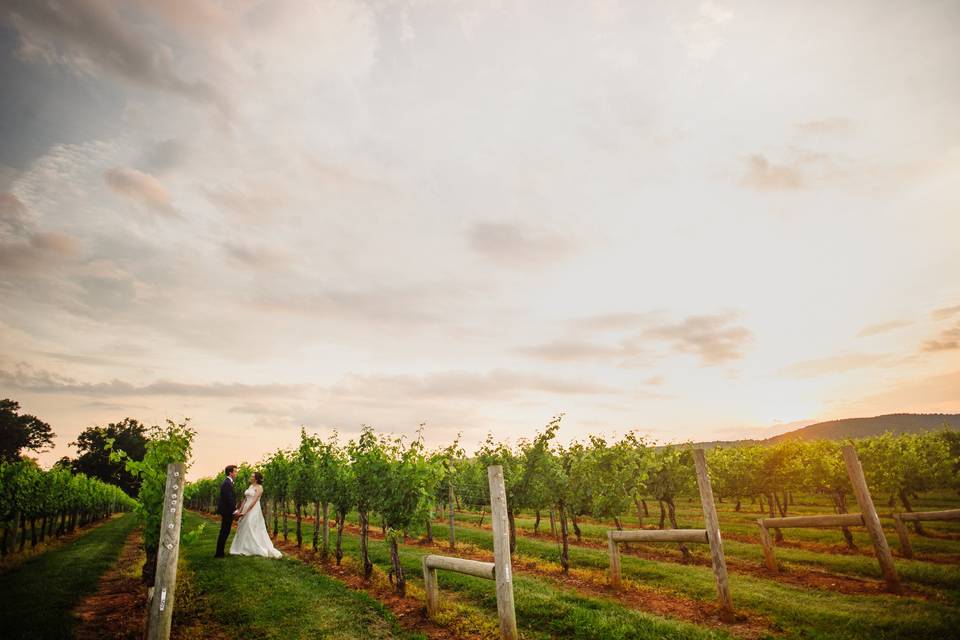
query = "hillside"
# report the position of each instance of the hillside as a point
(863, 427)
(854, 428)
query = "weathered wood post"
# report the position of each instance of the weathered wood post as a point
(501, 553)
(614, 551)
(161, 603)
(767, 546)
(431, 587)
(906, 549)
(713, 535)
(870, 518)
(453, 533)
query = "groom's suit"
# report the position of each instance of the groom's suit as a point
(225, 507)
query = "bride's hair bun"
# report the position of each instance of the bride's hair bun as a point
(258, 477)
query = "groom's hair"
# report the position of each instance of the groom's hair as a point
(230, 468)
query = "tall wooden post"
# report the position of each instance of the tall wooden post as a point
(906, 549)
(870, 518)
(161, 604)
(453, 533)
(713, 535)
(614, 552)
(501, 553)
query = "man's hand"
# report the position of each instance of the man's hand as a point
(236, 512)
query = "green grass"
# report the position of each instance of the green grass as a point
(261, 598)
(37, 597)
(797, 612)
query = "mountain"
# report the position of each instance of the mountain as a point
(863, 427)
(854, 428)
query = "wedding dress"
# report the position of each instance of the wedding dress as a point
(252, 538)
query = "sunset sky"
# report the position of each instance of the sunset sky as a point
(696, 219)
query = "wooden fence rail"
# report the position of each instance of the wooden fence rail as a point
(906, 549)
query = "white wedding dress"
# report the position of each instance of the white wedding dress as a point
(252, 538)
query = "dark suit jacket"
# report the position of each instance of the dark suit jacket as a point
(228, 503)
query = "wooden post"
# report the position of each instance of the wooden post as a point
(767, 547)
(713, 536)
(614, 560)
(906, 549)
(870, 518)
(453, 532)
(501, 553)
(161, 606)
(431, 587)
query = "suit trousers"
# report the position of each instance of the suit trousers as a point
(225, 526)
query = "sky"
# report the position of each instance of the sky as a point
(696, 220)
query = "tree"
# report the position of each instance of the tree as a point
(670, 475)
(18, 432)
(369, 463)
(128, 435)
(406, 489)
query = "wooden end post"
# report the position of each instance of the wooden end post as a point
(161, 605)
(614, 561)
(501, 553)
(870, 518)
(713, 535)
(453, 532)
(432, 588)
(768, 556)
(906, 549)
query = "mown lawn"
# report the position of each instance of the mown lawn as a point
(37, 597)
(260, 598)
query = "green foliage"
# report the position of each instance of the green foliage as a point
(166, 445)
(93, 457)
(18, 432)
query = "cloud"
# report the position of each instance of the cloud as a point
(571, 350)
(833, 364)
(37, 250)
(882, 327)
(513, 245)
(26, 378)
(141, 187)
(712, 337)
(495, 384)
(945, 312)
(13, 214)
(249, 203)
(825, 126)
(934, 394)
(90, 36)
(163, 156)
(761, 175)
(258, 258)
(948, 340)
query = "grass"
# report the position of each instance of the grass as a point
(37, 597)
(796, 612)
(260, 598)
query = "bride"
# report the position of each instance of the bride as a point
(252, 538)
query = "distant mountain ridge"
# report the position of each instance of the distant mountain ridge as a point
(863, 427)
(856, 428)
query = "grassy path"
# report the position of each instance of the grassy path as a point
(37, 597)
(259, 598)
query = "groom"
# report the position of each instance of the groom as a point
(227, 508)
